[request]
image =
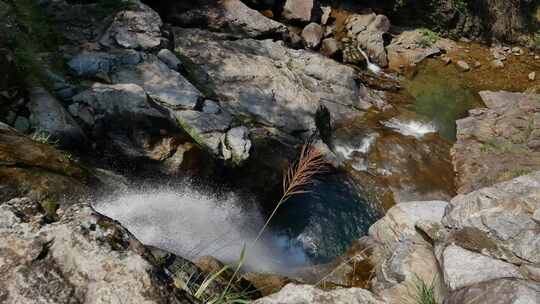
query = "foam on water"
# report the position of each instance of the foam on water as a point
(410, 128)
(371, 66)
(349, 150)
(194, 224)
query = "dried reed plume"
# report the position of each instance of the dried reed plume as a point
(299, 177)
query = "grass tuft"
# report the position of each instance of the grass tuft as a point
(425, 294)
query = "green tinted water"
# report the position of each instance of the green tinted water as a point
(442, 95)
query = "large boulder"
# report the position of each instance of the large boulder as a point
(499, 142)
(138, 27)
(230, 16)
(501, 291)
(366, 32)
(165, 86)
(502, 213)
(38, 170)
(47, 115)
(267, 83)
(82, 257)
(300, 294)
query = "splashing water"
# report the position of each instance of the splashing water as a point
(371, 66)
(410, 128)
(193, 224)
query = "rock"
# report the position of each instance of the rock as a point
(411, 47)
(258, 80)
(326, 12)
(399, 222)
(330, 47)
(206, 129)
(37, 170)
(113, 102)
(497, 63)
(462, 268)
(210, 107)
(235, 145)
(138, 27)
(100, 64)
(91, 63)
(532, 76)
(501, 291)
(499, 142)
(230, 16)
(517, 51)
(82, 257)
(163, 85)
(266, 283)
(477, 64)
(300, 294)
(447, 60)
(49, 116)
(463, 65)
(504, 213)
(299, 10)
(312, 35)
(536, 215)
(170, 59)
(21, 124)
(366, 32)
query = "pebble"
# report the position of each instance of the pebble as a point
(477, 64)
(497, 63)
(464, 66)
(532, 76)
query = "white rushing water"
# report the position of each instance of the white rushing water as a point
(193, 224)
(410, 128)
(371, 66)
(357, 152)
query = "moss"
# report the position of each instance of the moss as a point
(50, 208)
(429, 37)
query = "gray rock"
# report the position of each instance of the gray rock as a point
(464, 66)
(497, 63)
(231, 16)
(462, 267)
(536, 215)
(330, 47)
(399, 222)
(366, 32)
(112, 100)
(82, 257)
(136, 28)
(504, 212)
(48, 115)
(271, 84)
(236, 145)
(210, 107)
(303, 294)
(170, 59)
(312, 35)
(162, 84)
(502, 291)
(298, 10)
(206, 129)
(326, 12)
(22, 124)
(92, 63)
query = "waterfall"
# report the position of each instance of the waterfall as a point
(371, 66)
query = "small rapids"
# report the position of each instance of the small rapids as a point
(413, 128)
(193, 224)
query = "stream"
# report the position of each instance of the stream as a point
(408, 152)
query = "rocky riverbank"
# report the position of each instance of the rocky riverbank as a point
(97, 96)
